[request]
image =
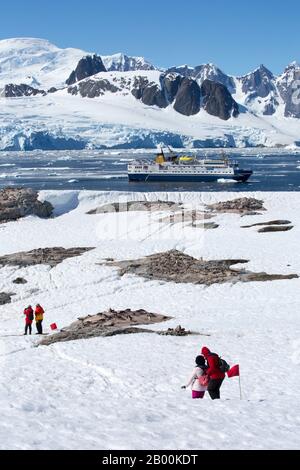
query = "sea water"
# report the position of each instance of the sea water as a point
(273, 170)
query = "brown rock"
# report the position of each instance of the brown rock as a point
(16, 203)
(50, 256)
(174, 266)
(105, 324)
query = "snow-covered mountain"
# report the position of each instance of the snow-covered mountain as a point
(36, 62)
(206, 72)
(39, 63)
(124, 63)
(288, 85)
(69, 98)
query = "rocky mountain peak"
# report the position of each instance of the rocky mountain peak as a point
(260, 82)
(86, 67)
(288, 85)
(124, 63)
(205, 72)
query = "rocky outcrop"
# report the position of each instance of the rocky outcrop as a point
(172, 87)
(93, 88)
(170, 84)
(149, 93)
(188, 98)
(152, 95)
(5, 298)
(244, 205)
(289, 89)
(52, 90)
(138, 87)
(195, 218)
(49, 256)
(105, 324)
(17, 91)
(87, 67)
(217, 100)
(136, 206)
(174, 266)
(20, 281)
(178, 331)
(16, 203)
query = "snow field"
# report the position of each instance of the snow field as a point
(124, 392)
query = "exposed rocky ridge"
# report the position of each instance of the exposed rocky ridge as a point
(178, 331)
(217, 100)
(16, 203)
(49, 256)
(185, 92)
(188, 98)
(16, 91)
(20, 281)
(262, 91)
(174, 266)
(152, 95)
(170, 83)
(5, 298)
(167, 89)
(133, 206)
(86, 67)
(241, 206)
(196, 218)
(93, 88)
(105, 324)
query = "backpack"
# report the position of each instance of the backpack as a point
(223, 365)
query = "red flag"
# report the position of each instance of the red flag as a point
(234, 372)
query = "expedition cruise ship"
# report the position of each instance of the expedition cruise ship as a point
(186, 169)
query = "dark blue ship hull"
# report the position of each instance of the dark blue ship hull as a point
(240, 176)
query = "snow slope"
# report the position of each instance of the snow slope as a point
(124, 392)
(36, 62)
(41, 64)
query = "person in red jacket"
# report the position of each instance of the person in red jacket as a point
(29, 317)
(214, 372)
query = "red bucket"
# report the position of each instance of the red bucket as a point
(53, 326)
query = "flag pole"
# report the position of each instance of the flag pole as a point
(240, 384)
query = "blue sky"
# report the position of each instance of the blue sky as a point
(236, 35)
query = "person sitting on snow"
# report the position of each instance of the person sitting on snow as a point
(39, 317)
(198, 388)
(216, 376)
